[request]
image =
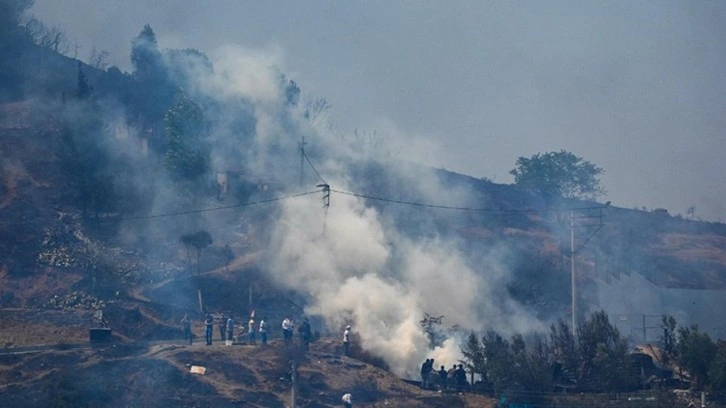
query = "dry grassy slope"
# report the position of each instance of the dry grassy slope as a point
(31, 190)
(249, 376)
(669, 251)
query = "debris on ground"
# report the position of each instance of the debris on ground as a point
(198, 370)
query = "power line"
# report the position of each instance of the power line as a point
(447, 207)
(313, 167)
(327, 190)
(226, 207)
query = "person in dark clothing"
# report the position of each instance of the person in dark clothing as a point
(460, 375)
(230, 329)
(209, 328)
(426, 368)
(306, 334)
(443, 376)
(187, 327)
(451, 377)
(223, 328)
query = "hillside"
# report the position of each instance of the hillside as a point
(249, 376)
(668, 251)
(671, 252)
(178, 188)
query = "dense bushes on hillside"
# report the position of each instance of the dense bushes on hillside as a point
(597, 359)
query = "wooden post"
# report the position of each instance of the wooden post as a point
(293, 375)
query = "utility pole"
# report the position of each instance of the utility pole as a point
(249, 299)
(573, 282)
(293, 376)
(574, 250)
(302, 159)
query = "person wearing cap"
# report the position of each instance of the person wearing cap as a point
(346, 340)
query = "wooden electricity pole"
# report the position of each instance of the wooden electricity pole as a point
(293, 376)
(302, 159)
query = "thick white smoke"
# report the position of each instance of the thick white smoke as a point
(353, 264)
(361, 272)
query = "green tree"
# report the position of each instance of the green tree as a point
(563, 347)
(198, 240)
(559, 174)
(431, 326)
(292, 93)
(153, 90)
(498, 361)
(14, 46)
(84, 89)
(473, 351)
(696, 350)
(227, 255)
(668, 339)
(187, 156)
(11, 16)
(717, 370)
(539, 368)
(603, 353)
(85, 159)
(145, 55)
(531, 370)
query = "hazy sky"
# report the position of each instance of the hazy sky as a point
(637, 87)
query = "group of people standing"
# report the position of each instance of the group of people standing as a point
(305, 332)
(454, 378)
(226, 325)
(254, 328)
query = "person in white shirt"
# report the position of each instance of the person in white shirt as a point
(263, 331)
(251, 331)
(347, 400)
(287, 328)
(346, 341)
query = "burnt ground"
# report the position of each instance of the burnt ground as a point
(143, 368)
(158, 375)
(147, 364)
